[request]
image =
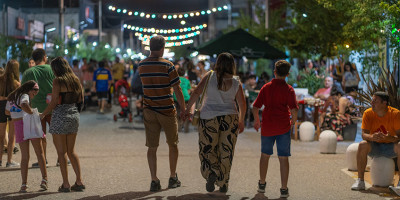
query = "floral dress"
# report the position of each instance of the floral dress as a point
(335, 121)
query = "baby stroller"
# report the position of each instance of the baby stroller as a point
(123, 88)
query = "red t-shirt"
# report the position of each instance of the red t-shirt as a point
(278, 98)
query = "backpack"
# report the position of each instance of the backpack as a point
(136, 83)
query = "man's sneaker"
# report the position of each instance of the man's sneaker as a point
(261, 187)
(36, 164)
(155, 186)
(12, 164)
(210, 187)
(395, 190)
(285, 193)
(174, 182)
(358, 185)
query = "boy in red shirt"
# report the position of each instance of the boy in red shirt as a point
(279, 101)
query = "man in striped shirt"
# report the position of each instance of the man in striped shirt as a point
(159, 77)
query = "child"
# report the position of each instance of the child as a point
(186, 88)
(19, 100)
(280, 103)
(102, 80)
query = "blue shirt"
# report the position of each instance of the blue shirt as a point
(102, 76)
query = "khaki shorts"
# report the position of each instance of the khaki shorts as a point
(153, 122)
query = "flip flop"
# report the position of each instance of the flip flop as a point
(62, 189)
(43, 185)
(78, 188)
(23, 188)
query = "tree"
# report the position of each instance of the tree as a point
(20, 50)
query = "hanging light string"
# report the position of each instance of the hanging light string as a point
(169, 44)
(164, 31)
(168, 15)
(169, 38)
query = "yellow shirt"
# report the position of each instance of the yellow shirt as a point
(118, 70)
(390, 122)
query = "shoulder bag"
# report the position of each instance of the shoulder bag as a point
(196, 114)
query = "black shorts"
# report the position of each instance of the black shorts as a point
(102, 95)
(3, 117)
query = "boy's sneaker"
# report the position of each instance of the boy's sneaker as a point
(174, 182)
(261, 187)
(12, 164)
(36, 164)
(210, 187)
(155, 186)
(285, 193)
(358, 185)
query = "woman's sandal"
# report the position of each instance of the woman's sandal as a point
(43, 185)
(62, 189)
(23, 188)
(78, 188)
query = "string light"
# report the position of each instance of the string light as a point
(170, 44)
(180, 15)
(165, 31)
(142, 36)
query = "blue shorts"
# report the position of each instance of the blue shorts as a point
(282, 144)
(382, 150)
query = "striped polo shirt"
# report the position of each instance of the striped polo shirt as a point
(158, 77)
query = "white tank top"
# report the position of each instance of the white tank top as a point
(217, 102)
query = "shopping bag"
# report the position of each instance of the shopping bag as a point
(32, 125)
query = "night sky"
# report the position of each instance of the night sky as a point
(113, 19)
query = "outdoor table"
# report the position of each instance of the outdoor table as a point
(313, 103)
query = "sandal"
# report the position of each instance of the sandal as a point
(63, 189)
(23, 188)
(78, 188)
(43, 185)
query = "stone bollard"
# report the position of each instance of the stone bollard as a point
(351, 157)
(382, 171)
(327, 142)
(307, 131)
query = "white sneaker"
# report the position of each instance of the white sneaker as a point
(395, 189)
(12, 164)
(358, 185)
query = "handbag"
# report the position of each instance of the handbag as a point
(196, 114)
(79, 104)
(32, 125)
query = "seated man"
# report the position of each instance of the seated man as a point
(380, 131)
(324, 93)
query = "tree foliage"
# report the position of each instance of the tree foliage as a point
(12, 48)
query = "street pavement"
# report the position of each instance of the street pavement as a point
(114, 166)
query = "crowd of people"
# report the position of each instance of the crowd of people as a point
(54, 92)
(168, 94)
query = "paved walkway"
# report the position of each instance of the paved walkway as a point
(114, 166)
